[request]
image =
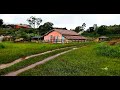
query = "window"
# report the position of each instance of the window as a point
(51, 36)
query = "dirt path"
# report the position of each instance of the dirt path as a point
(2, 66)
(15, 73)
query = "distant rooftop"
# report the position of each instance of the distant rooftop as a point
(103, 37)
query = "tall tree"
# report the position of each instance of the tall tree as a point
(91, 29)
(46, 27)
(38, 22)
(83, 26)
(78, 29)
(34, 21)
(1, 22)
(102, 30)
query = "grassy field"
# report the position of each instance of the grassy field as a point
(30, 61)
(11, 51)
(84, 61)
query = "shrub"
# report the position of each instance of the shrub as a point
(107, 50)
(2, 46)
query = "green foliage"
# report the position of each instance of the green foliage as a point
(104, 30)
(1, 46)
(20, 33)
(107, 50)
(2, 32)
(91, 34)
(1, 22)
(83, 26)
(78, 29)
(113, 36)
(28, 33)
(46, 27)
(34, 21)
(15, 32)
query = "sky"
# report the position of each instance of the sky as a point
(70, 21)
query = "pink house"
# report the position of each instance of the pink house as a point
(62, 36)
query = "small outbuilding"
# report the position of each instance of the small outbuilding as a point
(36, 38)
(103, 38)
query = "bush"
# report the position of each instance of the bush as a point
(107, 50)
(2, 46)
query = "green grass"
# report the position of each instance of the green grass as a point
(33, 60)
(1, 46)
(81, 62)
(104, 49)
(30, 61)
(11, 51)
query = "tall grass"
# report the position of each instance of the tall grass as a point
(1, 46)
(107, 50)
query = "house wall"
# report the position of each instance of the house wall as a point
(53, 36)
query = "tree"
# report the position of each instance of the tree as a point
(1, 22)
(20, 34)
(78, 29)
(34, 21)
(102, 30)
(38, 21)
(46, 27)
(83, 26)
(91, 29)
